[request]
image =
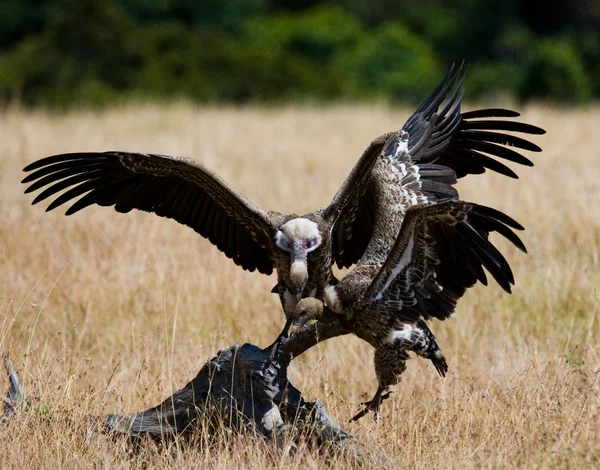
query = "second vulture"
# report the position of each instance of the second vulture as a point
(422, 258)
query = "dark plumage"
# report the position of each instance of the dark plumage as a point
(422, 258)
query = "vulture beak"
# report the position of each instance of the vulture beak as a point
(299, 323)
(296, 326)
(306, 310)
(299, 268)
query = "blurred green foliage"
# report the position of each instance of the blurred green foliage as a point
(71, 52)
(394, 62)
(554, 69)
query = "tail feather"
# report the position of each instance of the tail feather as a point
(433, 352)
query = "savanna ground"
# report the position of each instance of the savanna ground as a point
(104, 312)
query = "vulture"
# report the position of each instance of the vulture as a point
(439, 249)
(303, 248)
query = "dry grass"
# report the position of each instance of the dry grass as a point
(111, 313)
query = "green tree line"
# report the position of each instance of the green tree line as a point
(74, 52)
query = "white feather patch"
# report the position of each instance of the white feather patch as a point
(403, 144)
(332, 300)
(404, 334)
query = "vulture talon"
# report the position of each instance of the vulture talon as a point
(372, 405)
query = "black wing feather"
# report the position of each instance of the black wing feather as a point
(453, 257)
(171, 187)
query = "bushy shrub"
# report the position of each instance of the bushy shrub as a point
(175, 62)
(554, 71)
(212, 66)
(320, 34)
(308, 49)
(223, 15)
(491, 79)
(394, 62)
(82, 57)
(588, 47)
(513, 45)
(22, 18)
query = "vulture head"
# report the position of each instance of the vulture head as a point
(298, 237)
(306, 310)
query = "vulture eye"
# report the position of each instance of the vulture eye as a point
(282, 242)
(311, 242)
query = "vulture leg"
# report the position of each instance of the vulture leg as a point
(373, 404)
(390, 363)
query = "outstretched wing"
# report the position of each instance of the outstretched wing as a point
(440, 252)
(395, 185)
(461, 144)
(175, 187)
(468, 142)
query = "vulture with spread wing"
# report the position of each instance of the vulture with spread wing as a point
(300, 248)
(423, 256)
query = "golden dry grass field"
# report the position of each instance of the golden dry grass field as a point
(104, 312)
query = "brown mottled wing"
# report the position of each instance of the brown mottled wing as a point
(395, 185)
(440, 252)
(465, 143)
(175, 187)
